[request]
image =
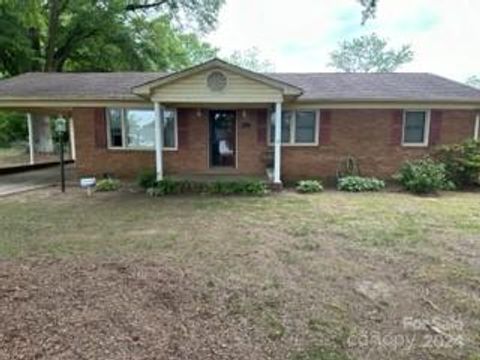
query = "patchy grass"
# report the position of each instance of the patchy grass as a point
(281, 277)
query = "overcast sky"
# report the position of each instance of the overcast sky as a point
(298, 35)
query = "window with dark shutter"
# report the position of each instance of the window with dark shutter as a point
(100, 126)
(325, 127)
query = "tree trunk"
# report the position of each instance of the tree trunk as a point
(53, 22)
(42, 134)
(34, 35)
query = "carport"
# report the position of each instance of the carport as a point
(31, 180)
(40, 148)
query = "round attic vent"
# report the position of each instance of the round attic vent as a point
(216, 81)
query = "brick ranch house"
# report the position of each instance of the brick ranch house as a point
(217, 118)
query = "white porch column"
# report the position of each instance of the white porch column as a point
(159, 140)
(73, 151)
(477, 127)
(30, 139)
(278, 143)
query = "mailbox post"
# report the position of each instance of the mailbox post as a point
(61, 129)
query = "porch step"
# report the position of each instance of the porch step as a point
(215, 177)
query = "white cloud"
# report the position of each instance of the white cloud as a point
(299, 35)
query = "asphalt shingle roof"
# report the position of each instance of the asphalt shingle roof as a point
(115, 85)
(316, 86)
(378, 86)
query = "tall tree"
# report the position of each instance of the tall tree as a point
(369, 53)
(474, 81)
(369, 9)
(48, 35)
(250, 59)
(199, 14)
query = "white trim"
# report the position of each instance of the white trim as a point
(373, 105)
(476, 133)
(124, 147)
(426, 132)
(79, 102)
(292, 142)
(278, 144)
(159, 113)
(73, 150)
(30, 139)
(237, 115)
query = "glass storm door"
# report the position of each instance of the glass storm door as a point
(222, 138)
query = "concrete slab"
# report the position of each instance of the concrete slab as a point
(31, 180)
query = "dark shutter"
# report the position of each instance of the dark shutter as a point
(325, 127)
(435, 127)
(100, 125)
(261, 126)
(396, 128)
(182, 124)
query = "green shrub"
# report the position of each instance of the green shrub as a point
(462, 162)
(424, 176)
(13, 128)
(172, 187)
(309, 186)
(107, 184)
(147, 179)
(242, 187)
(358, 184)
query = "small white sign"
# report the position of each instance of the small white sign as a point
(88, 182)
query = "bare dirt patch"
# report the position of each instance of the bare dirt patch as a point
(119, 309)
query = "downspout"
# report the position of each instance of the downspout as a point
(477, 126)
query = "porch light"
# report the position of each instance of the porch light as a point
(60, 126)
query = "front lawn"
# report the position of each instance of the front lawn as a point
(289, 276)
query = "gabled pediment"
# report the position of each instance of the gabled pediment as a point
(216, 81)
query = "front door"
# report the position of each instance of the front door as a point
(222, 138)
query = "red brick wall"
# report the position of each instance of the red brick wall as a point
(368, 135)
(191, 156)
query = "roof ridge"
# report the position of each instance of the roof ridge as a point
(349, 73)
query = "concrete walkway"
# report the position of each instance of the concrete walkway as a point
(30, 180)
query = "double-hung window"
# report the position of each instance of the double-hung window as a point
(135, 128)
(299, 127)
(416, 125)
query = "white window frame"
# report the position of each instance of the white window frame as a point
(293, 128)
(124, 134)
(426, 132)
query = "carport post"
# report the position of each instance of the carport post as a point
(159, 140)
(30, 138)
(277, 144)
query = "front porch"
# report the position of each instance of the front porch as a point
(224, 92)
(230, 143)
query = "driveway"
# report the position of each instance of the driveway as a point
(31, 180)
